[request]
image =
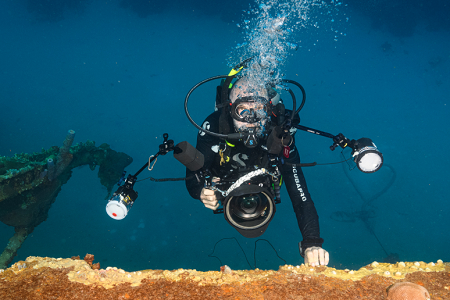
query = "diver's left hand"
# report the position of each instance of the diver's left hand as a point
(315, 256)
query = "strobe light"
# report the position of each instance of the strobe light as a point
(366, 155)
(122, 200)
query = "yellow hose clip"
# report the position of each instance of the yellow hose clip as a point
(222, 160)
(229, 144)
(234, 72)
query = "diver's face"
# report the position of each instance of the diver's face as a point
(248, 109)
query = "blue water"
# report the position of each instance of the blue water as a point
(117, 73)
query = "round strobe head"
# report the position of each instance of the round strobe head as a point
(116, 208)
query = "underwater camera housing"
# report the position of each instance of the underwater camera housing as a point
(250, 207)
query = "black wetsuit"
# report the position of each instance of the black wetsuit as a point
(241, 157)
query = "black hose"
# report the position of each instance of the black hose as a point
(232, 238)
(223, 136)
(303, 92)
(294, 104)
(245, 255)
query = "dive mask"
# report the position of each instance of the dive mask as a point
(252, 109)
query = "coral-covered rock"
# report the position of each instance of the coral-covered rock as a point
(407, 291)
(89, 258)
(96, 266)
(50, 278)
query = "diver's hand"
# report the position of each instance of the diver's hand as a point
(209, 199)
(315, 256)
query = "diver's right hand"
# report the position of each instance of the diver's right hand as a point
(209, 199)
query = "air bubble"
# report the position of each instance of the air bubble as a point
(269, 28)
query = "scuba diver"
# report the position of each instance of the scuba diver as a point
(245, 151)
(251, 110)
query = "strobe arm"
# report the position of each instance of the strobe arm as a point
(164, 148)
(338, 140)
(123, 199)
(365, 153)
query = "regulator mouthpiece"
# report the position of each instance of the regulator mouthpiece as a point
(366, 156)
(251, 139)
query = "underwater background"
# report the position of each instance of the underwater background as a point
(117, 72)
